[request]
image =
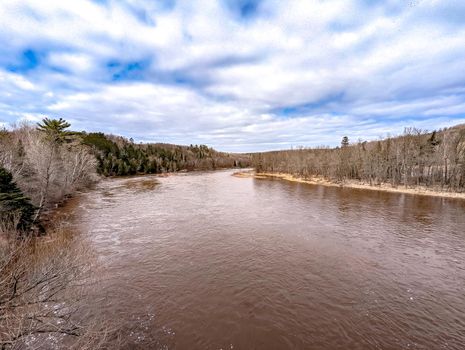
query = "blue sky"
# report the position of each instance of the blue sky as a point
(238, 75)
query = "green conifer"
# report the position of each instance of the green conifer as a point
(13, 204)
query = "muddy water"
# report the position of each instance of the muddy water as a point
(210, 261)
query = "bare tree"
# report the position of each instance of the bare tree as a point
(416, 158)
(44, 288)
(48, 163)
(43, 158)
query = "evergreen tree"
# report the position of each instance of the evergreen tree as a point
(13, 204)
(55, 129)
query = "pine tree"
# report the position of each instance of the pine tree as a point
(13, 204)
(55, 129)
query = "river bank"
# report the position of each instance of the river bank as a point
(417, 190)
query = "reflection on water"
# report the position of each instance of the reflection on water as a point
(211, 261)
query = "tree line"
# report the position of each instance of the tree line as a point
(435, 160)
(117, 156)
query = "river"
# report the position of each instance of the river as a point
(210, 261)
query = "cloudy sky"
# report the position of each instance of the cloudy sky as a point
(238, 75)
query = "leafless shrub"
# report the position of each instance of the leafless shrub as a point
(45, 289)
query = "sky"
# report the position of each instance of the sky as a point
(237, 75)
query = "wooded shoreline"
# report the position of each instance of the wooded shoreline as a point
(417, 162)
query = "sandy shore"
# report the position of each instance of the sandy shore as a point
(352, 184)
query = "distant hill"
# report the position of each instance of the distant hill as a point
(117, 155)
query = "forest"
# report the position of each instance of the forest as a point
(117, 155)
(435, 160)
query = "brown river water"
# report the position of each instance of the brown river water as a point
(210, 261)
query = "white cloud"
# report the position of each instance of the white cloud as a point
(12, 81)
(299, 72)
(78, 63)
